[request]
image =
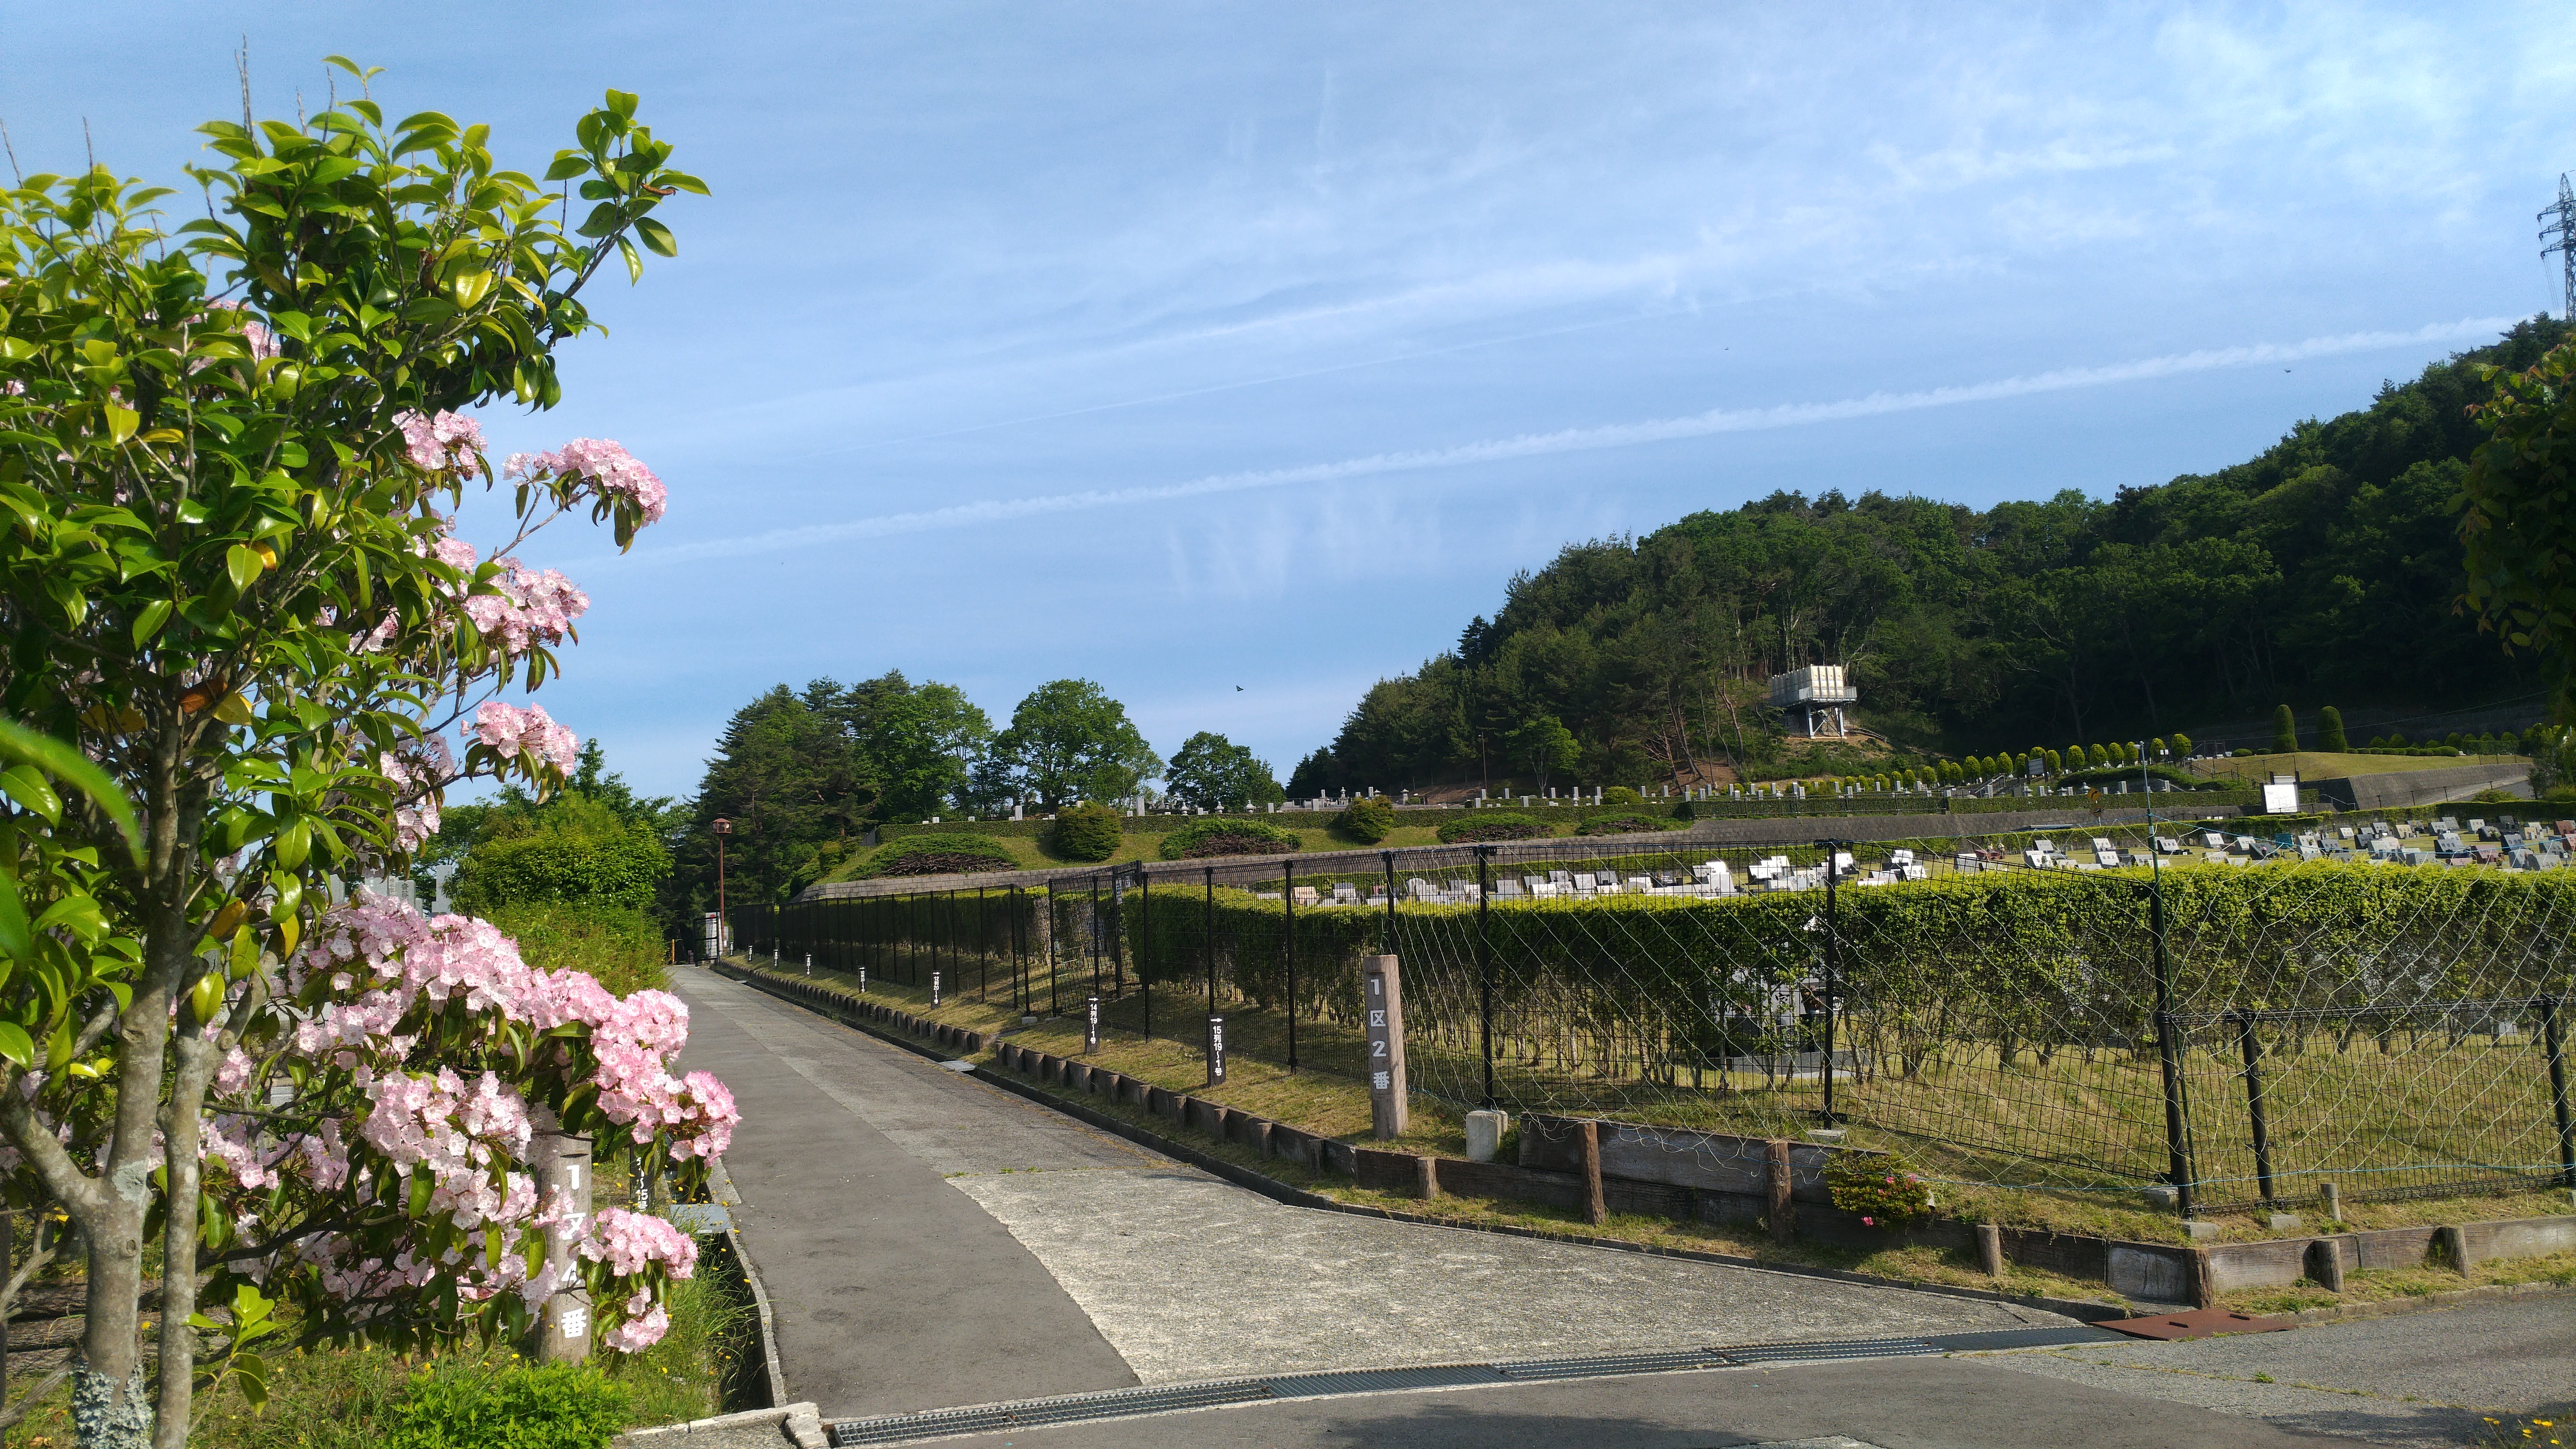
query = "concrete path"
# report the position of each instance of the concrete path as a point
(891, 1290)
(1195, 1278)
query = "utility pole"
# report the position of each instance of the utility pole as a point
(2560, 233)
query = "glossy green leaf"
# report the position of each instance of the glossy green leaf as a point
(74, 769)
(657, 236)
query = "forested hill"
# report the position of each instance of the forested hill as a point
(2321, 571)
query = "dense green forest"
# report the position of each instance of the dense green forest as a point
(2324, 569)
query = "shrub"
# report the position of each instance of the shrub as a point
(1884, 1190)
(1623, 795)
(620, 948)
(1202, 839)
(557, 1406)
(2182, 745)
(962, 854)
(1482, 825)
(1367, 820)
(616, 868)
(1088, 832)
(1622, 822)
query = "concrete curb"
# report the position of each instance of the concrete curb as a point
(1277, 1191)
(722, 1187)
(798, 1424)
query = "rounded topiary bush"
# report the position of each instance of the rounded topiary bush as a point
(1622, 822)
(1623, 795)
(1213, 837)
(1483, 825)
(1088, 832)
(1367, 820)
(938, 855)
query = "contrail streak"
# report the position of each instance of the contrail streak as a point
(1574, 440)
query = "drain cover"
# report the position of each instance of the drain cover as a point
(1073, 1408)
(2199, 1323)
(1609, 1364)
(1822, 1352)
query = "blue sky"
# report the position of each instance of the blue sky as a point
(1188, 347)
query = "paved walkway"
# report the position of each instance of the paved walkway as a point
(931, 1240)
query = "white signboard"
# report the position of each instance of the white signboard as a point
(2282, 799)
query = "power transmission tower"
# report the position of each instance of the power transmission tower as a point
(2561, 236)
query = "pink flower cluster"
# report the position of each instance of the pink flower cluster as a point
(604, 465)
(506, 729)
(416, 775)
(629, 1243)
(447, 443)
(533, 606)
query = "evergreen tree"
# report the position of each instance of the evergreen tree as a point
(2285, 731)
(2330, 731)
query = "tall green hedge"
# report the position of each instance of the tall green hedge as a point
(616, 869)
(1216, 836)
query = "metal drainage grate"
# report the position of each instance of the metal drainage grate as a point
(1823, 1352)
(1605, 1365)
(1072, 1408)
(1376, 1381)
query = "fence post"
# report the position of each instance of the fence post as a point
(1145, 945)
(1783, 1209)
(2554, 1039)
(1288, 937)
(1207, 957)
(2169, 1055)
(1833, 969)
(1485, 968)
(2253, 1050)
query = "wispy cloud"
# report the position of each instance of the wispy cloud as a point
(1576, 440)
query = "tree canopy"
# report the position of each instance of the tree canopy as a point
(2327, 567)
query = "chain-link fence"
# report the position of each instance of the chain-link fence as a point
(2089, 1018)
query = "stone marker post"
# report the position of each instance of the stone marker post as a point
(1091, 1026)
(1216, 1051)
(1784, 1212)
(562, 1162)
(1382, 993)
(1990, 1249)
(934, 988)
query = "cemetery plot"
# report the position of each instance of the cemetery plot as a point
(1994, 1018)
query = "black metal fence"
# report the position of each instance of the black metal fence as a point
(2069, 1021)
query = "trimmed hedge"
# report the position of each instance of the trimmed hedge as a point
(621, 949)
(2116, 774)
(1367, 820)
(1204, 839)
(1625, 822)
(556, 1406)
(1087, 832)
(937, 855)
(1483, 825)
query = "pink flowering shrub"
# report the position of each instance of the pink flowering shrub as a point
(447, 444)
(400, 1169)
(1880, 1187)
(604, 467)
(505, 731)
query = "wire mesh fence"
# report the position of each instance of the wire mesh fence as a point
(2232, 1033)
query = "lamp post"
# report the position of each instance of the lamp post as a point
(723, 828)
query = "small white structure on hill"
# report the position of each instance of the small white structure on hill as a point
(1816, 690)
